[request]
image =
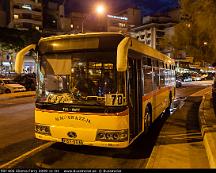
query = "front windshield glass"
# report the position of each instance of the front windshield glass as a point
(9, 82)
(88, 78)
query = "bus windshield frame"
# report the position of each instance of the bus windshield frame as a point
(63, 76)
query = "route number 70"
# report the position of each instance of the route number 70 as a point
(114, 99)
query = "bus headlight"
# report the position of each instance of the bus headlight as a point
(112, 135)
(42, 129)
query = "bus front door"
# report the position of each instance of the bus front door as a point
(135, 97)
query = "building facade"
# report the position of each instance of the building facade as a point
(25, 14)
(124, 20)
(153, 29)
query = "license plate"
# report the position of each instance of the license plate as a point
(72, 141)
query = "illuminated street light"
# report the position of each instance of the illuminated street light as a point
(205, 43)
(99, 9)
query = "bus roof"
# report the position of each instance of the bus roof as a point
(141, 48)
(48, 44)
(80, 35)
(75, 42)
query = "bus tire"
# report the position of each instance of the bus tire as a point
(147, 119)
(167, 111)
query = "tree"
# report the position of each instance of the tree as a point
(17, 39)
(195, 32)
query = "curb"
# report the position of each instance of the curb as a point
(207, 121)
(17, 95)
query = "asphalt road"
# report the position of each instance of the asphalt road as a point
(17, 138)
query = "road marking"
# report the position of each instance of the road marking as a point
(202, 92)
(19, 159)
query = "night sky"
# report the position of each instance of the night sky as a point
(147, 7)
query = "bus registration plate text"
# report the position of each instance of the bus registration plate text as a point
(72, 141)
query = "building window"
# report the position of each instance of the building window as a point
(27, 6)
(16, 16)
(142, 36)
(148, 42)
(122, 25)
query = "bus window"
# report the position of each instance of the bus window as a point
(147, 71)
(162, 74)
(167, 75)
(155, 74)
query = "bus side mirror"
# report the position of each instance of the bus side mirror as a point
(20, 58)
(122, 54)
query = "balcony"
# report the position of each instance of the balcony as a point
(38, 23)
(32, 3)
(24, 11)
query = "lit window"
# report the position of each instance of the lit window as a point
(123, 25)
(16, 16)
(27, 6)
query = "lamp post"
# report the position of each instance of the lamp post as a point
(99, 9)
(203, 48)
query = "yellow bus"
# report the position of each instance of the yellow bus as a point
(76, 105)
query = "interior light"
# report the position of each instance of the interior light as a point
(16, 16)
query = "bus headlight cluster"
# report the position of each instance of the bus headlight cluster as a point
(42, 129)
(112, 135)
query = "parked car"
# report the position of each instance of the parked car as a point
(9, 86)
(204, 76)
(196, 77)
(187, 77)
(27, 80)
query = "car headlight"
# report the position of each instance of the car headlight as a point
(112, 135)
(42, 129)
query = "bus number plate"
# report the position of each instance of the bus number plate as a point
(72, 141)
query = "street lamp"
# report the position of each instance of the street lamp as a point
(204, 50)
(205, 43)
(99, 9)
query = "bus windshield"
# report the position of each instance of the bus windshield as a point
(80, 78)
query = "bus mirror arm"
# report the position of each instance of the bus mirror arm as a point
(20, 57)
(122, 54)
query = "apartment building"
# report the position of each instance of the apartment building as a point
(153, 29)
(25, 14)
(124, 20)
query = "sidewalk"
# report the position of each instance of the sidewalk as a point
(17, 95)
(208, 127)
(181, 144)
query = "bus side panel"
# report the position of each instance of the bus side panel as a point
(159, 100)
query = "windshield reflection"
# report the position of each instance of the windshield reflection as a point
(77, 78)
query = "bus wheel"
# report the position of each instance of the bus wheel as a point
(147, 119)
